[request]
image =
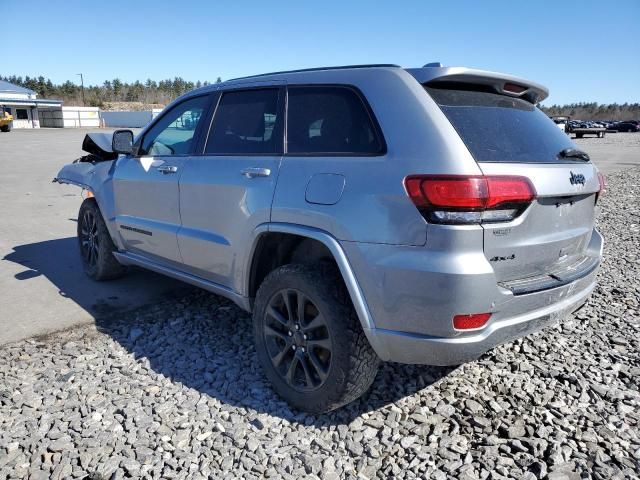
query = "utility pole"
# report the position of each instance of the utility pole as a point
(82, 87)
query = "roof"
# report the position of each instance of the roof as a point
(30, 103)
(318, 69)
(532, 92)
(10, 87)
(284, 74)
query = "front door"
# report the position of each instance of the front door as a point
(146, 190)
(227, 192)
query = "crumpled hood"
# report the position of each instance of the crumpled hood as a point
(99, 144)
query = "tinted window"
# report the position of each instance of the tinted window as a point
(173, 133)
(246, 122)
(329, 120)
(497, 128)
(21, 114)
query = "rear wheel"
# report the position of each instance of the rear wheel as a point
(6, 128)
(96, 246)
(309, 340)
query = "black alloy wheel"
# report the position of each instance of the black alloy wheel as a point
(89, 238)
(297, 340)
(95, 244)
(309, 340)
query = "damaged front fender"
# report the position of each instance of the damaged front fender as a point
(90, 171)
(94, 173)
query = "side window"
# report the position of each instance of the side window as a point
(246, 123)
(21, 114)
(173, 133)
(329, 120)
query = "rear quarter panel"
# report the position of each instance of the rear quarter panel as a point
(374, 206)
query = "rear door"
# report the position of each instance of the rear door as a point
(510, 136)
(146, 185)
(226, 192)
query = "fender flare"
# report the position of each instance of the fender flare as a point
(348, 275)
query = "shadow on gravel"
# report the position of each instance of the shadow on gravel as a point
(192, 337)
(205, 342)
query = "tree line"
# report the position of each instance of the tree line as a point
(165, 91)
(148, 92)
(595, 111)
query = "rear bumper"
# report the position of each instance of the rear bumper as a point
(421, 349)
(413, 294)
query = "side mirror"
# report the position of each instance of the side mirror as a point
(122, 142)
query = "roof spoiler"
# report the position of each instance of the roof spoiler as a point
(500, 82)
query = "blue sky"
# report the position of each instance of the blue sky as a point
(582, 50)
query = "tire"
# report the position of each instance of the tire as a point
(95, 244)
(6, 128)
(334, 363)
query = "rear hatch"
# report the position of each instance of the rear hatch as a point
(546, 244)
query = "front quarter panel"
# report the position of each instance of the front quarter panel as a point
(97, 178)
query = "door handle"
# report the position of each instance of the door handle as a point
(167, 169)
(253, 172)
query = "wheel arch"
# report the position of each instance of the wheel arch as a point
(338, 256)
(103, 208)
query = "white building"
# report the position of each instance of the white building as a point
(24, 105)
(31, 112)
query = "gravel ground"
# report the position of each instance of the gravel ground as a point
(174, 391)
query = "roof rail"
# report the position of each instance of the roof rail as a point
(342, 67)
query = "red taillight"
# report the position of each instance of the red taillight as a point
(470, 322)
(509, 190)
(455, 192)
(469, 199)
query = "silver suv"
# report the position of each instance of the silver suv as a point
(361, 213)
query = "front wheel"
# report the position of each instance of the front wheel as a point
(96, 246)
(309, 340)
(6, 128)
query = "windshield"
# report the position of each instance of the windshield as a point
(497, 128)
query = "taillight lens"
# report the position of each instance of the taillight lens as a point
(469, 199)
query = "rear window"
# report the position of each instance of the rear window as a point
(497, 128)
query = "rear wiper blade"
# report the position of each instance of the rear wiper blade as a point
(574, 153)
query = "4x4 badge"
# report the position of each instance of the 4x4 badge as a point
(576, 178)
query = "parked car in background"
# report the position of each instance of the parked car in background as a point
(625, 127)
(361, 213)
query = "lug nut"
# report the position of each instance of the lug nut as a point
(293, 347)
(290, 334)
(297, 327)
(303, 349)
(304, 336)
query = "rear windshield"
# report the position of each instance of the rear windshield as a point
(497, 128)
